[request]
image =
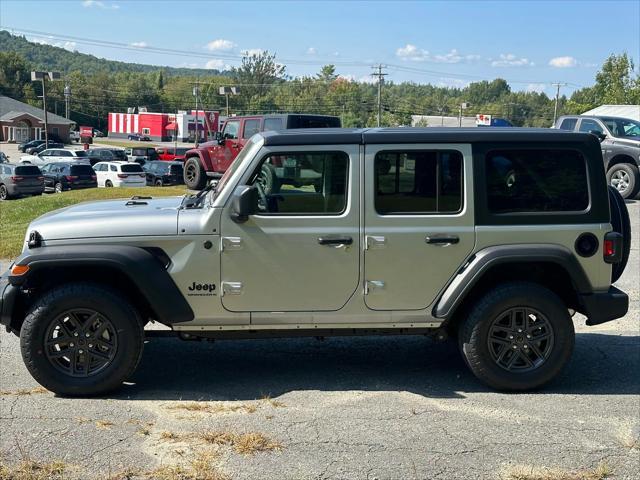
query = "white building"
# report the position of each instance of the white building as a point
(625, 111)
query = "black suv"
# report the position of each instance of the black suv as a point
(43, 146)
(32, 144)
(163, 173)
(18, 180)
(61, 176)
(620, 142)
(96, 155)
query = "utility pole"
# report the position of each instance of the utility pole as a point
(67, 99)
(196, 91)
(380, 76)
(42, 76)
(555, 109)
(463, 106)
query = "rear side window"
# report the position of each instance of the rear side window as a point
(296, 121)
(418, 182)
(81, 170)
(536, 181)
(27, 170)
(590, 125)
(81, 153)
(272, 124)
(131, 168)
(119, 154)
(568, 124)
(251, 127)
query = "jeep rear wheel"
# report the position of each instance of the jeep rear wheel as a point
(81, 339)
(195, 178)
(625, 178)
(519, 336)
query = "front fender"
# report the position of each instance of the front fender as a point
(203, 155)
(144, 269)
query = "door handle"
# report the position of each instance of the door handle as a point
(442, 240)
(335, 241)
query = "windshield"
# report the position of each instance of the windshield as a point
(248, 151)
(81, 153)
(622, 127)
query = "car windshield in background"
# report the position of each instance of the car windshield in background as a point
(622, 127)
(28, 170)
(131, 168)
(181, 151)
(120, 154)
(81, 170)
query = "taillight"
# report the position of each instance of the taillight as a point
(93, 177)
(40, 178)
(71, 178)
(15, 179)
(122, 175)
(612, 247)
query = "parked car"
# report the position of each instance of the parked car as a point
(120, 174)
(42, 147)
(141, 154)
(97, 133)
(60, 154)
(74, 136)
(62, 176)
(212, 159)
(139, 137)
(26, 145)
(441, 243)
(19, 180)
(620, 143)
(171, 153)
(106, 154)
(161, 173)
(4, 158)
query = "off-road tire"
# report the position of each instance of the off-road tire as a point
(631, 173)
(621, 223)
(125, 319)
(474, 330)
(269, 179)
(195, 178)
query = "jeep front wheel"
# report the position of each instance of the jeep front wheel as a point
(195, 178)
(518, 337)
(81, 339)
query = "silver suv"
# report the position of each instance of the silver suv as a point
(620, 143)
(493, 237)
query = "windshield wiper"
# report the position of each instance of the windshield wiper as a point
(197, 199)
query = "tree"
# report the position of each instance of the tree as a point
(256, 73)
(615, 81)
(327, 74)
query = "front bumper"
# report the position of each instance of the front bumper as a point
(8, 297)
(604, 307)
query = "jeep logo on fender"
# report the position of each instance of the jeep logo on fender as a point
(201, 289)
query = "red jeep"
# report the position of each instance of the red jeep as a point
(211, 159)
(171, 154)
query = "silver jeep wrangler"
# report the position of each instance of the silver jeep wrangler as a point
(493, 237)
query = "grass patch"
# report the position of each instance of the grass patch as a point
(15, 215)
(243, 443)
(525, 472)
(202, 407)
(274, 403)
(203, 467)
(32, 470)
(104, 424)
(24, 391)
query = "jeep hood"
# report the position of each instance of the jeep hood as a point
(110, 218)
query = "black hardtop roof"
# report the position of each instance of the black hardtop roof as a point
(282, 115)
(336, 136)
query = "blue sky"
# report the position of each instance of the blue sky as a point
(451, 43)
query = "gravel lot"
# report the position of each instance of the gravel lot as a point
(386, 408)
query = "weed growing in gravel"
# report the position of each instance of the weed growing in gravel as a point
(24, 391)
(214, 408)
(243, 443)
(202, 467)
(274, 403)
(525, 472)
(33, 470)
(104, 424)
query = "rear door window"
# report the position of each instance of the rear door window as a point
(418, 182)
(536, 180)
(251, 127)
(568, 124)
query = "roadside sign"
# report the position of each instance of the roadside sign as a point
(483, 120)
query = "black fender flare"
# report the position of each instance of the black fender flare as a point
(479, 263)
(147, 271)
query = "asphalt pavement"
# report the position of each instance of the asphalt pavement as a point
(380, 407)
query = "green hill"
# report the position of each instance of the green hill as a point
(48, 57)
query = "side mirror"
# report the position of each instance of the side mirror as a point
(244, 202)
(601, 136)
(219, 138)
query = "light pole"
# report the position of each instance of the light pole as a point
(67, 99)
(226, 91)
(463, 106)
(42, 76)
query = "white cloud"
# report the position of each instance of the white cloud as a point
(221, 45)
(511, 60)
(217, 64)
(99, 4)
(312, 51)
(354, 78)
(536, 87)
(563, 62)
(446, 82)
(71, 46)
(412, 53)
(140, 44)
(252, 51)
